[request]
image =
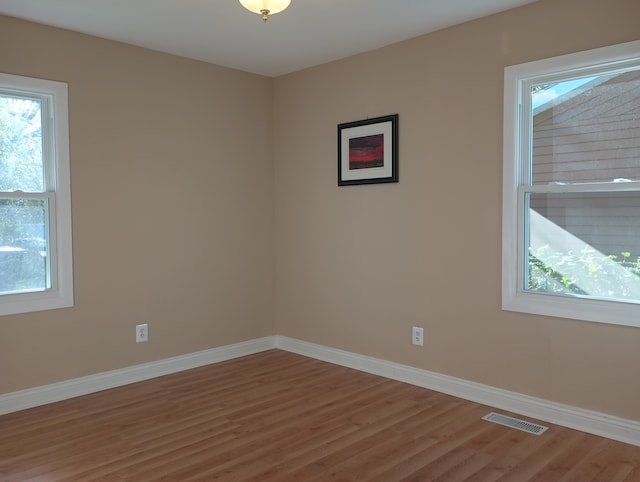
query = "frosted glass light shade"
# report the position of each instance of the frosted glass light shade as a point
(268, 6)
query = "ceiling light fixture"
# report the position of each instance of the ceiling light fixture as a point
(265, 7)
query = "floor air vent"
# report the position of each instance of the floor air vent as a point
(515, 423)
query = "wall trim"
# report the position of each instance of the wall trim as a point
(623, 430)
(55, 392)
(596, 423)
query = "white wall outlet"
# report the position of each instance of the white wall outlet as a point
(417, 335)
(142, 333)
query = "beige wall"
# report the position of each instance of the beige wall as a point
(357, 266)
(172, 193)
(174, 222)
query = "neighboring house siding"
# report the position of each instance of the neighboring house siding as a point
(592, 137)
(618, 219)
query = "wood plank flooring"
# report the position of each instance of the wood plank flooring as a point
(277, 416)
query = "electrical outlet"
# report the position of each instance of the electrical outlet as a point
(142, 333)
(417, 335)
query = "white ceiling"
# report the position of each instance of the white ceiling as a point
(223, 32)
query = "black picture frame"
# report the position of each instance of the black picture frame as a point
(368, 151)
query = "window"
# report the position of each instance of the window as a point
(571, 186)
(35, 196)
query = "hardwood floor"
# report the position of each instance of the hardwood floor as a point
(283, 417)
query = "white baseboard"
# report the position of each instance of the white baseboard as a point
(55, 392)
(596, 423)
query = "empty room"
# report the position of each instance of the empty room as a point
(320, 240)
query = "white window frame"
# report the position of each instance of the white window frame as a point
(516, 152)
(55, 129)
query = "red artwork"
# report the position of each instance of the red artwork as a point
(366, 152)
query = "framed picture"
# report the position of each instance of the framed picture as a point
(368, 151)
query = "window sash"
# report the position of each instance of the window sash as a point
(49, 228)
(604, 277)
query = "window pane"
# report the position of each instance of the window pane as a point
(21, 160)
(585, 244)
(587, 130)
(23, 245)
